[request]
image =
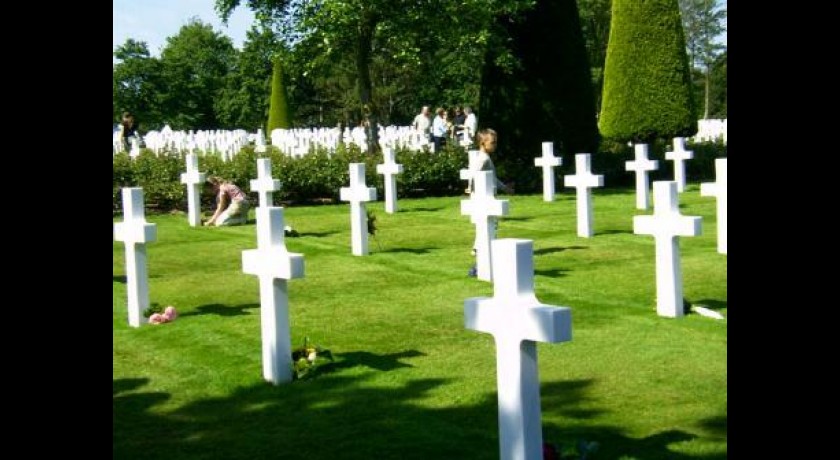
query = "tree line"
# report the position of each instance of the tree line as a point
(381, 60)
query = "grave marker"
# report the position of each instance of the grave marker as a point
(264, 184)
(482, 208)
(194, 181)
(389, 168)
(135, 232)
(548, 161)
(666, 225)
(517, 321)
(357, 194)
(718, 189)
(274, 265)
(641, 165)
(678, 156)
(583, 181)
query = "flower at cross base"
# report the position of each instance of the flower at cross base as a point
(305, 358)
(157, 317)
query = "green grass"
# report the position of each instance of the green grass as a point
(409, 381)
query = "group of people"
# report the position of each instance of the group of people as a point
(462, 126)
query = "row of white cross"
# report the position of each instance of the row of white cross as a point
(298, 141)
(293, 142)
(514, 316)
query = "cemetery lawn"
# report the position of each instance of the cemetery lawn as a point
(408, 380)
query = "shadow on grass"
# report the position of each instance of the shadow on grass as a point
(120, 279)
(343, 416)
(422, 209)
(711, 304)
(220, 310)
(552, 272)
(615, 232)
(614, 444)
(568, 398)
(123, 385)
(544, 251)
(613, 190)
(315, 234)
(409, 250)
(715, 426)
(516, 218)
(387, 362)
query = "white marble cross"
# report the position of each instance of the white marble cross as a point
(678, 156)
(641, 165)
(135, 232)
(718, 190)
(264, 184)
(274, 265)
(467, 174)
(517, 321)
(548, 161)
(135, 147)
(194, 181)
(389, 168)
(259, 143)
(666, 225)
(357, 194)
(583, 180)
(482, 207)
(192, 145)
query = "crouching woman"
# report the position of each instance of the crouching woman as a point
(231, 203)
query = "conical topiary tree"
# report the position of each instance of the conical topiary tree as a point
(278, 106)
(546, 95)
(647, 81)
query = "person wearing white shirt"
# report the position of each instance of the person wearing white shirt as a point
(440, 129)
(422, 123)
(470, 124)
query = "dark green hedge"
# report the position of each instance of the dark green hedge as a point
(611, 163)
(546, 96)
(318, 177)
(647, 82)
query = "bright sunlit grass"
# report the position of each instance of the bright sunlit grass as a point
(409, 381)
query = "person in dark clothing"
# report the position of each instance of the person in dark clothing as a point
(128, 130)
(460, 119)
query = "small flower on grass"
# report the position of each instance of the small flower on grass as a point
(307, 357)
(160, 315)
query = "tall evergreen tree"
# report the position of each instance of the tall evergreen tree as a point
(545, 94)
(647, 82)
(279, 115)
